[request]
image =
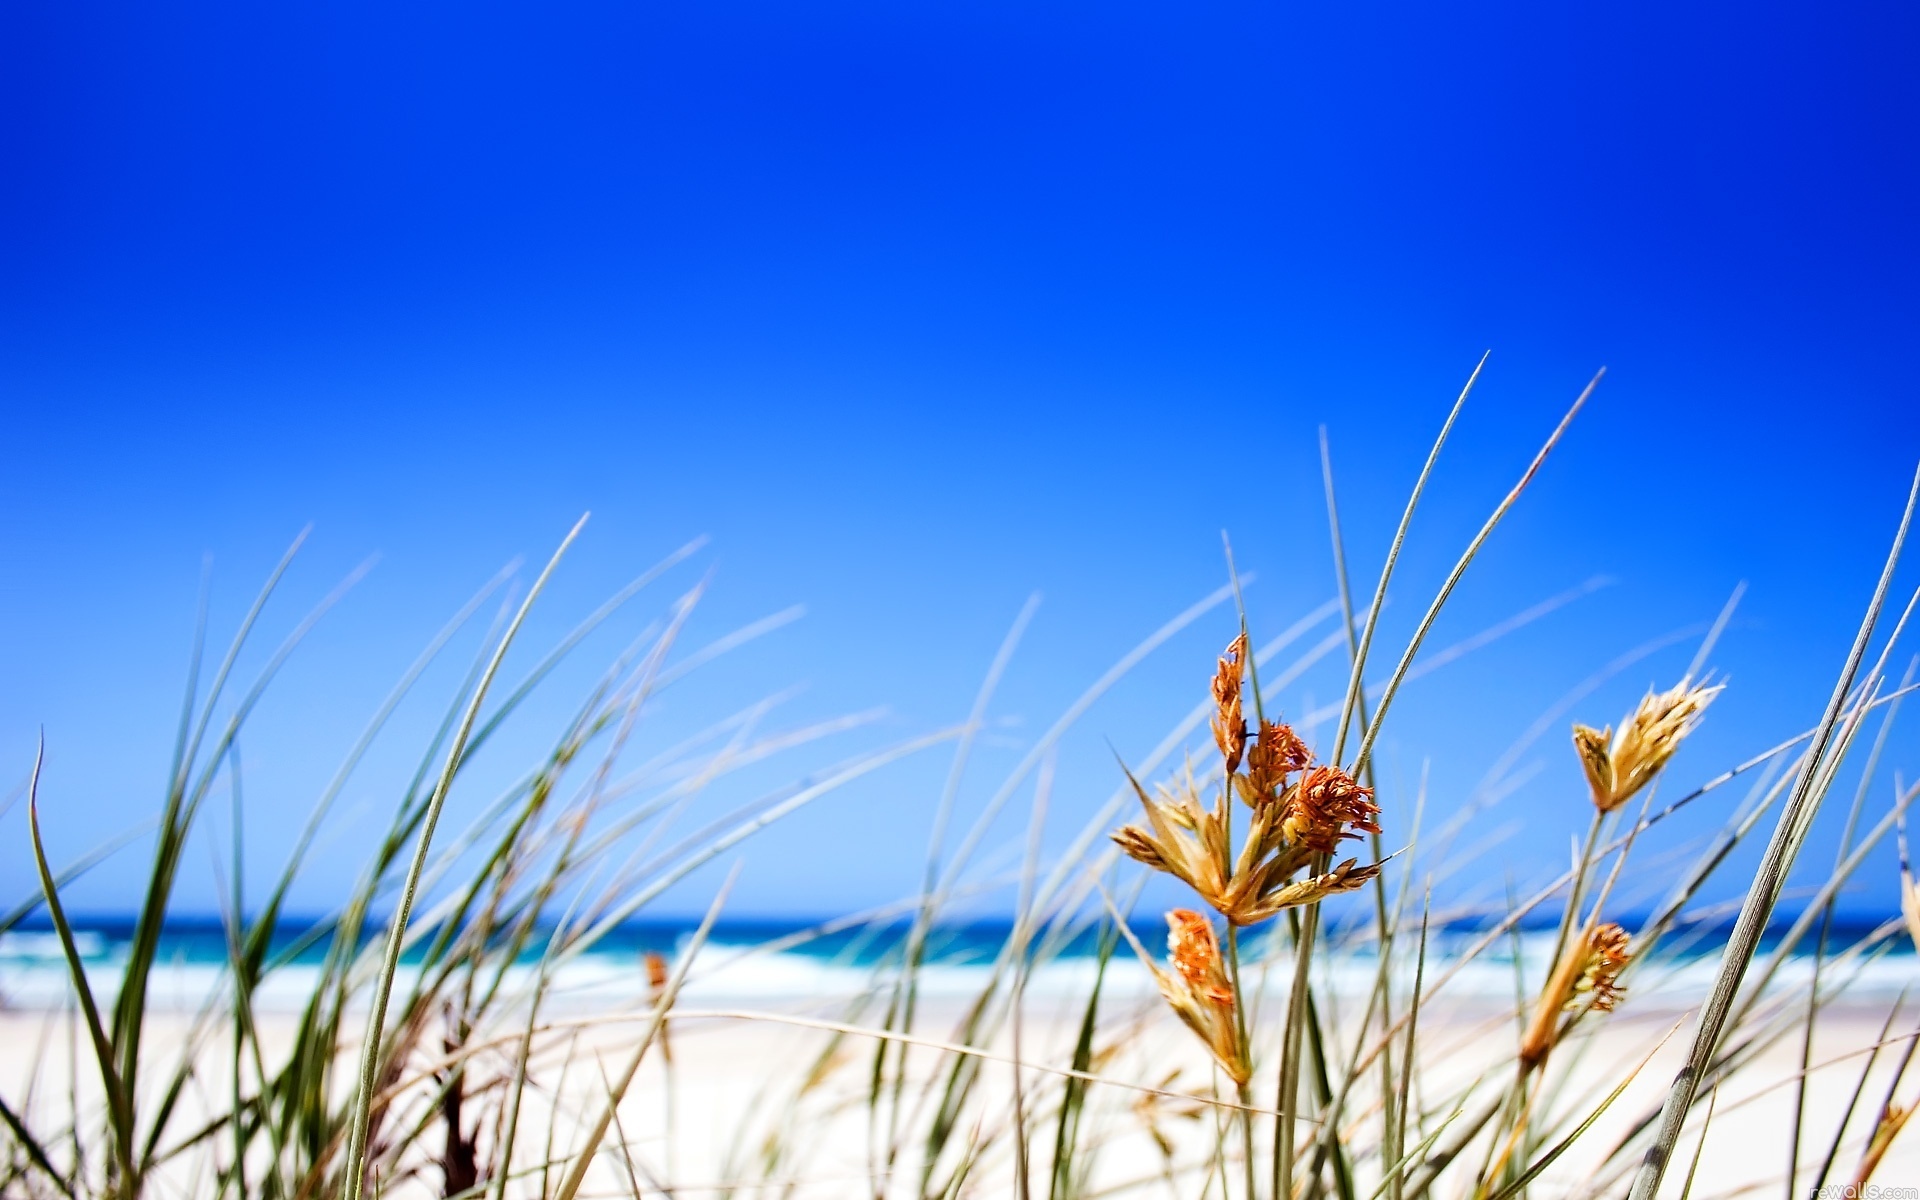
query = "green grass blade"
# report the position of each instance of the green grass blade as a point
(578, 634)
(1038, 751)
(1290, 1055)
(129, 1005)
(1365, 645)
(73, 871)
(1392, 688)
(1413, 1025)
(35, 1152)
(1388, 1091)
(119, 1109)
(1073, 1096)
(269, 913)
(739, 833)
(1396, 1171)
(383, 983)
(176, 823)
(194, 662)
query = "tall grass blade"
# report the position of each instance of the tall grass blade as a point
(1758, 906)
(1365, 646)
(1699, 1147)
(383, 982)
(35, 1152)
(1395, 1147)
(1859, 1087)
(1546, 1160)
(583, 1158)
(1392, 688)
(1066, 1141)
(72, 871)
(119, 1107)
(1297, 1006)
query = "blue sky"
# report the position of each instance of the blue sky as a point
(917, 310)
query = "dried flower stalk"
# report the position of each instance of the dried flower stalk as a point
(1278, 754)
(657, 975)
(1618, 766)
(1588, 968)
(1293, 821)
(1910, 906)
(1229, 721)
(1300, 812)
(1189, 840)
(1892, 1120)
(1199, 991)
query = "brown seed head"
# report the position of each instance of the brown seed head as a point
(1608, 950)
(1892, 1120)
(1180, 805)
(656, 972)
(1139, 846)
(1325, 809)
(1618, 765)
(1198, 991)
(1183, 838)
(1278, 754)
(1589, 967)
(1299, 813)
(1348, 876)
(1596, 760)
(1229, 724)
(1196, 955)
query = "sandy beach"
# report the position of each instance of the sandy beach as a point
(756, 1098)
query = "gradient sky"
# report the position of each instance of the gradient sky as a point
(917, 310)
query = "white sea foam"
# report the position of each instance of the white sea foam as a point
(33, 975)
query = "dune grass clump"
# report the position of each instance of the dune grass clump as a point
(1302, 1036)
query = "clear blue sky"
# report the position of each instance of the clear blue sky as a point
(918, 309)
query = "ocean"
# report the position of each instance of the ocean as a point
(796, 960)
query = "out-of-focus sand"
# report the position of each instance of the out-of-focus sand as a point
(734, 1116)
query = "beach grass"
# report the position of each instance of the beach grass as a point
(430, 1053)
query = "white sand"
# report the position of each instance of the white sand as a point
(734, 1117)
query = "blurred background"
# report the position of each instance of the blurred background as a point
(917, 311)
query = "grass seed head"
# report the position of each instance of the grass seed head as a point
(1278, 755)
(1188, 841)
(1326, 809)
(1294, 821)
(1198, 990)
(1183, 838)
(1139, 845)
(1589, 968)
(1617, 766)
(1608, 950)
(1596, 761)
(1196, 955)
(1891, 1122)
(1348, 876)
(1229, 722)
